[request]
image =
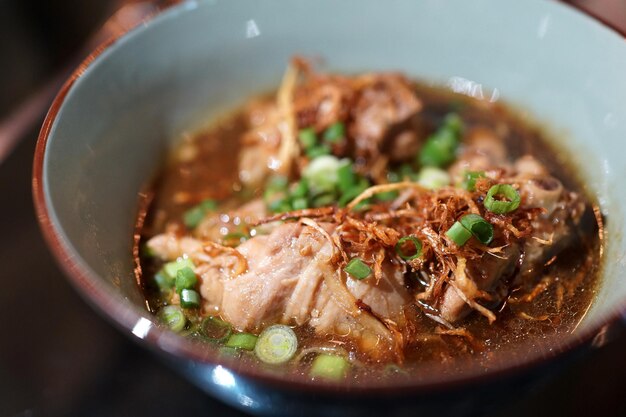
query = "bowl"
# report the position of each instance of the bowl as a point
(111, 125)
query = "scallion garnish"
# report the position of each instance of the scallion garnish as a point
(245, 341)
(415, 251)
(276, 344)
(322, 174)
(307, 137)
(335, 133)
(433, 178)
(345, 176)
(189, 298)
(194, 215)
(440, 148)
(301, 189)
(324, 200)
(172, 268)
(277, 183)
(317, 151)
(163, 282)
(511, 202)
(358, 269)
(458, 234)
(479, 227)
(185, 279)
(469, 179)
(331, 367)
(280, 206)
(299, 203)
(387, 196)
(174, 317)
(215, 329)
(353, 191)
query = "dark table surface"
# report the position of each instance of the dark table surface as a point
(58, 357)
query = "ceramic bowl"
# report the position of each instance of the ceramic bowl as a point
(111, 125)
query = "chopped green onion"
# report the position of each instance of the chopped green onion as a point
(324, 200)
(277, 183)
(393, 176)
(353, 192)
(280, 205)
(480, 228)
(299, 203)
(358, 269)
(276, 344)
(275, 190)
(345, 176)
(433, 178)
(469, 179)
(437, 153)
(440, 148)
(234, 238)
(502, 206)
(453, 123)
(215, 329)
(317, 151)
(322, 174)
(416, 249)
(163, 282)
(174, 317)
(245, 341)
(458, 234)
(194, 215)
(185, 279)
(406, 171)
(189, 299)
(172, 268)
(301, 189)
(335, 133)
(387, 196)
(307, 137)
(329, 367)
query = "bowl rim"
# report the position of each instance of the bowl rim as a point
(158, 339)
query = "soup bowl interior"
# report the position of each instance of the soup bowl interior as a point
(112, 125)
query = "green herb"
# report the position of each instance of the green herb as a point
(193, 216)
(174, 317)
(358, 269)
(440, 148)
(335, 133)
(330, 367)
(511, 199)
(307, 137)
(189, 299)
(480, 228)
(469, 180)
(185, 279)
(458, 234)
(276, 344)
(245, 341)
(416, 249)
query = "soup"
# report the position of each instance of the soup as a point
(368, 224)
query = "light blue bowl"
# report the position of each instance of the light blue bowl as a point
(110, 127)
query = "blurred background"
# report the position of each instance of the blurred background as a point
(58, 357)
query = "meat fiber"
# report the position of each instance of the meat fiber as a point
(286, 281)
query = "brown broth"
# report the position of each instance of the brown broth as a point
(213, 174)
